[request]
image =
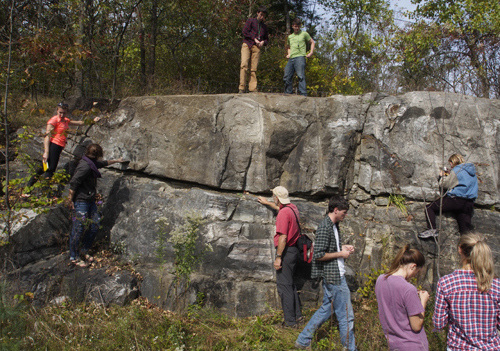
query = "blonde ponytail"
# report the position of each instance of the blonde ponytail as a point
(477, 253)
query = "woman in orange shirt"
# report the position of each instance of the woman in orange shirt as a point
(55, 137)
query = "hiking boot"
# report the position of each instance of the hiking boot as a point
(429, 233)
(302, 347)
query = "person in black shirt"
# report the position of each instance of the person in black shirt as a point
(82, 202)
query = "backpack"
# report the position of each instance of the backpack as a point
(305, 242)
(306, 246)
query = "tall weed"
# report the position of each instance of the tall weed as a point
(12, 326)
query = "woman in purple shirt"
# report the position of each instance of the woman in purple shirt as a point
(401, 307)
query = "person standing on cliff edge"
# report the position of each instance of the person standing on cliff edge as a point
(296, 55)
(255, 36)
(287, 254)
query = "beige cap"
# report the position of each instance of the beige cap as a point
(282, 194)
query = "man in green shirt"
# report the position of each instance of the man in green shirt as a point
(296, 55)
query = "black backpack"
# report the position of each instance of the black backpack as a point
(304, 242)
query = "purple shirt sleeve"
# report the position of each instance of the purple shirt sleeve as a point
(414, 305)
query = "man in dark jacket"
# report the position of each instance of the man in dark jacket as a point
(81, 200)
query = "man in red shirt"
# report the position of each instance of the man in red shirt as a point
(287, 253)
(254, 38)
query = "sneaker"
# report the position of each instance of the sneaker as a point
(302, 347)
(79, 263)
(429, 233)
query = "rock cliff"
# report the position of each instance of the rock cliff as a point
(213, 154)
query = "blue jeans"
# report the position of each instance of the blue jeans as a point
(337, 297)
(86, 221)
(296, 65)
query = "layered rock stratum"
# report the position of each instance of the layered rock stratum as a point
(214, 154)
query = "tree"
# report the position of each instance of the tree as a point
(470, 37)
(418, 66)
(355, 44)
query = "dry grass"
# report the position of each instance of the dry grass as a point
(143, 326)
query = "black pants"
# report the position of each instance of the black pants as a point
(54, 154)
(462, 208)
(53, 159)
(286, 287)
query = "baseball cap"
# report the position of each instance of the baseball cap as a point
(282, 194)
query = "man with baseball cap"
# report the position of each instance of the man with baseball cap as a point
(287, 253)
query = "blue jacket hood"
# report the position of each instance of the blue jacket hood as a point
(467, 167)
(467, 187)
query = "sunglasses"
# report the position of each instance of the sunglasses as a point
(65, 106)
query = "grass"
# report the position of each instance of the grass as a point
(143, 326)
(400, 202)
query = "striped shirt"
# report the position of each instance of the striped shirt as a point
(474, 317)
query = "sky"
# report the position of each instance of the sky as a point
(398, 5)
(403, 4)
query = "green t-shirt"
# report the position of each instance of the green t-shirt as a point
(297, 44)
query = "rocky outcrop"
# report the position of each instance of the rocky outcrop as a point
(379, 144)
(56, 281)
(212, 154)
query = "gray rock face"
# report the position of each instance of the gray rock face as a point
(54, 281)
(199, 154)
(38, 236)
(379, 144)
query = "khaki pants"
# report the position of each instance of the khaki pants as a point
(249, 54)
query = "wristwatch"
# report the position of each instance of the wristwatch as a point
(278, 255)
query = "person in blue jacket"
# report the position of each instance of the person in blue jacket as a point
(462, 186)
